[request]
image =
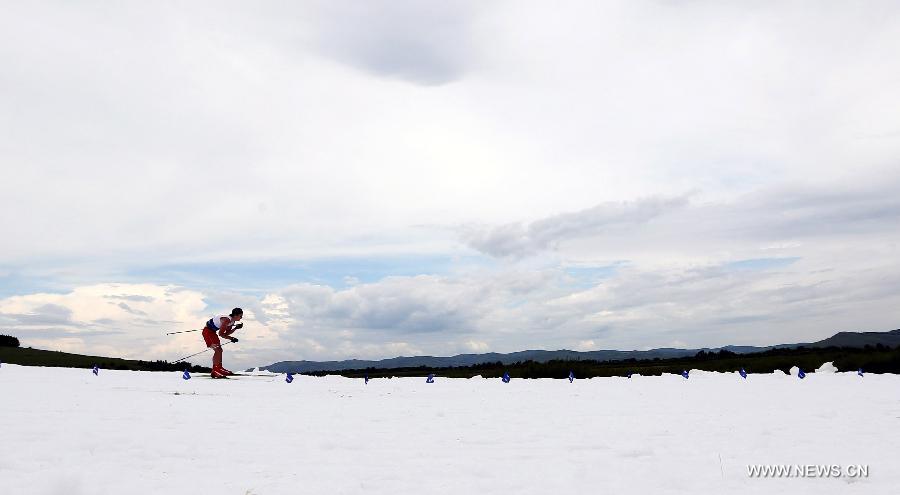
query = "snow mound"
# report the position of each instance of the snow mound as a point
(828, 367)
(476, 376)
(258, 372)
(794, 371)
(701, 373)
(782, 373)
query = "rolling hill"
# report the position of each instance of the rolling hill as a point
(841, 339)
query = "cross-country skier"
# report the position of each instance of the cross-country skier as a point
(225, 326)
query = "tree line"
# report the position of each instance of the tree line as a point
(874, 359)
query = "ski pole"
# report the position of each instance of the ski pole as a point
(201, 352)
(184, 331)
(236, 327)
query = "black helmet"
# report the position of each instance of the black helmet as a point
(237, 312)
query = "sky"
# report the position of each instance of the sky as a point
(387, 178)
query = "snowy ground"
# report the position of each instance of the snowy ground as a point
(66, 431)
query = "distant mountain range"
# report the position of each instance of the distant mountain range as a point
(841, 339)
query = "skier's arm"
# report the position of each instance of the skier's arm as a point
(227, 334)
(225, 327)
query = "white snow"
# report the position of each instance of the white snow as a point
(828, 367)
(66, 431)
(259, 372)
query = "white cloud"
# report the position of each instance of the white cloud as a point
(517, 240)
(501, 310)
(91, 319)
(149, 134)
(425, 43)
(209, 129)
(477, 346)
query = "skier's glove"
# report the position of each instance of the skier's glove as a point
(238, 326)
(233, 339)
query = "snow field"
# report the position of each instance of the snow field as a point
(66, 431)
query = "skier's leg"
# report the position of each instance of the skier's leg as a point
(212, 340)
(217, 357)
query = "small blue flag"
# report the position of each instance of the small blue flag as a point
(505, 377)
(743, 374)
(96, 370)
(367, 378)
(801, 374)
(186, 375)
(571, 376)
(684, 373)
(430, 378)
(859, 372)
(289, 378)
(628, 375)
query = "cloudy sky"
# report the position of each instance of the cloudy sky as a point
(373, 179)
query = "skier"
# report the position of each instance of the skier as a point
(225, 326)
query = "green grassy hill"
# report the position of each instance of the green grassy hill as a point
(37, 357)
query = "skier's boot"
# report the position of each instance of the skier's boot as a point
(219, 372)
(224, 371)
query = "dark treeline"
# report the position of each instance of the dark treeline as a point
(8, 341)
(151, 366)
(38, 357)
(875, 359)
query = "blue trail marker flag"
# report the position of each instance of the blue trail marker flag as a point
(743, 374)
(505, 377)
(96, 370)
(628, 375)
(859, 372)
(186, 375)
(571, 376)
(430, 378)
(367, 378)
(800, 373)
(685, 374)
(289, 378)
